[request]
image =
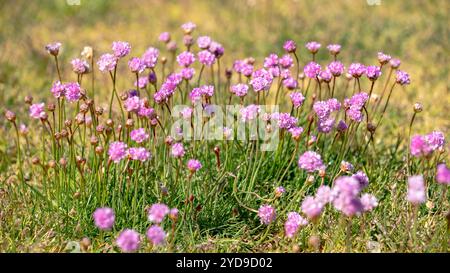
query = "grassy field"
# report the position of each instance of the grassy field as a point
(415, 32)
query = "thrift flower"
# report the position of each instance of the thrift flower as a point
(156, 235)
(293, 223)
(416, 190)
(266, 214)
(121, 49)
(310, 161)
(158, 212)
(139, 135)
(117, 151)
(443, 174)
(128, 240)
(104, 218)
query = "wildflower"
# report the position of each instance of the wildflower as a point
(186, 113)
(416, 190)
(443, 174)
(435, 140)
(143, 81)
(173, 214)
(279, 191)
(296, 132)
(342, 126)
(117, 151)
(87, 52)
(354, 106)
(139, 153)
(261, 80)
(325, 126)
(356, 70)
(164, 37)
(346, 199)
(313, 47)
(334, 49)
(239, 90)
(284, 120)
(325, 75)
(72, 91)
(362, 178)
(312, 70)
(121, 49)
(286, 61)
(395, 63)
(271, 61)
(267, 214)
(336, 68)
(346, 166)
(290, 83)
(128, 240)
(402, 78)
(293, 223)
(107, 62)
(289, 46)
(324, 195)
(136, 65)
(227, 133)
(139, 135)
(79, 66)
(310, 161)
(297, 99)
(104, 218)
(58, 89)
(132, 104)
(187, 73)
(418, 107)
(150, 57)
(53, 48)
(311, 207)
(216, 49)
(188, 27)
(206, 58)
(36, 110)
(203, 42)
(157, 212)
(373, 72)
(156, 235)
(249, 113)
(185, 58)
(383, 58)
(369, 202)
(194, 165)
(177, 150)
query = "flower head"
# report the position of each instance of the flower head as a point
(117, 151)
(249, 113)
(383, 58)
(297, 99)
(79, 66)
(58, 89)
(136, 65)
(206, 58)
(310, 161)
(373, 72)
(139, 135)
(185, 58)
(267, 214)
(104, 218)
(293, 223)
(72, 91)
(416, 190)
(194, 165)
(336, 68)
(313, 47)
(36, 110)
(311, 207)
(334, 49)
(239, 89)
(261, 80)
(369, 202)
(156, 235)
(139, 153)
(107, 62)
(128, 240)
(121, 49)
(289, 46)
(177, 150)
(188, 27)
(312, 70)
(150, 57)
(402, 78)
(53, 48)
(164, 37)
(158, 212)
(356, 70)
(203, 42)
(443, 174)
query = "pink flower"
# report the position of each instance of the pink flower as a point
(194, 165)
(107, 62)
(79, 66)
(185, 58)
(156, 235)
(104, 218)
(240, 89)
(58, 89)
(128, 240)
(164, 37)
(206, 58)
(293, 223)
(136, 65)
(73, 91)
(312, 70)
(203, 42)
(311, 207)
(356, 70)
(249, 113)
(157, 212)
(369, 202)
(290, 46)
(443, 174)
(139, 153)
(324, 195)
(297, 99)
(132, 104)
(117, 151)
(139, 135)
(267, 214)
(310, 161)
(416, 190)
(121, 49)
(36, 110)
(150, 57)
(313, 47)
(177, 150)
(53, 48)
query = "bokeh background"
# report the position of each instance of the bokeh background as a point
(417, 32)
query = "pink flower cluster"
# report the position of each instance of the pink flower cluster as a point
(425, 145)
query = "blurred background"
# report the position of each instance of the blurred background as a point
(417, 32)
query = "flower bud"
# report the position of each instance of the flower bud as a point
(418, 107)
(99, 110)
(29, 100)
(68, 123)
(63, 162)
(129, 123)
(51, 107)
(35, 160)
(84, 108)
(94, 140)
(11, 116)
(99, 150)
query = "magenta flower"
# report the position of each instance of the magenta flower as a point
(416, 190)
(347, 167)
(177, 150)
(121, 49)
(313, 47)
(79, 66)
(373, 72)
(342, 126)
(150, 57)
(362, 179)
(156, 235)
(139, 153)
(132, 104)
(206, 58)
(395, 63)
(435, 140)
(216, 49)
(325, 75)
(419, 146)
(293, 223)
(443, 174)
(296, 132)
(311, 207)
(53, 48)
(139, 135)
(383, 58)
(310, 161)
(289, 46)
(188, 27)
(73, 91)
(324, 195)
(104, 218)
(334, 49)
(286, 61)
(185, 58)
(194, 165)
(279, 191)
(203, 42)
(290, 83)
(158, 212)
(58, 89)
(164, 37)
(402, 78)
(249, 113)
(186, 113)
(312, 70)
(128, 240)
(239, 90)
(136, 65)
(336, 68)
(187, 73)
(267, 214)
(173, 213)
(107, 62)
(261, 80)
(356, 70)
(284, 120)
(117, 151)
(36, 110)
(346, 200)
(369, 202)
(271, 61)
(297, 99)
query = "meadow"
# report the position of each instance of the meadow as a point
(354, 159)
